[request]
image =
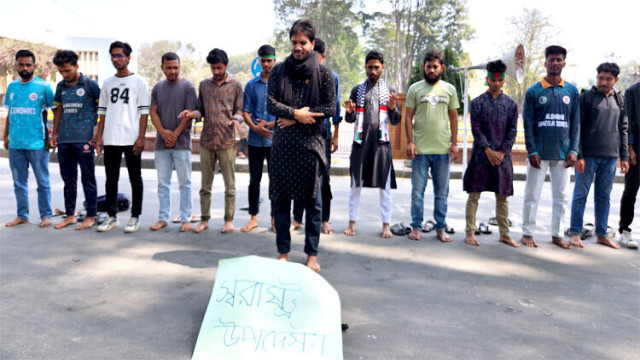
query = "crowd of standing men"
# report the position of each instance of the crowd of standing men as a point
(289, 109)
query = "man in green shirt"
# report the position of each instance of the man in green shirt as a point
(432, 139)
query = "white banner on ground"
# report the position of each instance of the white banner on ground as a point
(267, 309)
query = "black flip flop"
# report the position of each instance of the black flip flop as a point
(398, 229)
(449, 230)
(484, 228)
(494, 221)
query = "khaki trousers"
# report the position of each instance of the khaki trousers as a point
(502, 213)
(208, 159)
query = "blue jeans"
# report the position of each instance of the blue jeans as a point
(166, 161)
(19, 161)
(439, 164)
(70, 156)
(604, 169)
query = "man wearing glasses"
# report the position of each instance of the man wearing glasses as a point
(123, 109)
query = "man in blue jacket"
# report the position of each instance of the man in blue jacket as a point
(552, 132)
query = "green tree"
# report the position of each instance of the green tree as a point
(411, 28)
(44, 58)
(193, 68)
(532, 29)
(335, 21)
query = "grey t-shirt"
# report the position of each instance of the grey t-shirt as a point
(171, 100)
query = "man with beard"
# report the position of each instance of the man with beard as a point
(123, 110)
(494, 121)
(301, 94)
(260, 123)
(27, 100)
(552, 132)
(331, 145)
(220, 103)
(432, 140)
(372, 106)
(173, 141)
(73, 133)
(603, 138)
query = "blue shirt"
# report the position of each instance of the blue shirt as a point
(26, 102)
(552, 120)
(79, 105)
(336, 118)
(255, 103)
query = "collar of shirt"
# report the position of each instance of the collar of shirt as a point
(227, 78)
(546, 85)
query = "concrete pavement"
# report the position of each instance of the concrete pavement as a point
(66, 294)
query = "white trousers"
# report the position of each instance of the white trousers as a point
(535, 179)
(385, 201)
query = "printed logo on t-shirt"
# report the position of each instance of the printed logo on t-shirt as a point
(80, 92)
(543, 100)
(86, 148)
(566, 99)
(33, 96)
(433, 100)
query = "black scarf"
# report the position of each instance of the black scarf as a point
(307, 69)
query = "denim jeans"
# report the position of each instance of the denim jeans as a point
(19, 161)
(604, 170)
(439, 164)
(70, 156)
(180, 160)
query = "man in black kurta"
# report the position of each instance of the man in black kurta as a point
(301, 94)
(372, 106)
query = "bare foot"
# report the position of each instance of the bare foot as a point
(326, 228)
(45, 222)
(312, 263)
(560, 242)
(158, 225)
(87, 223)
(16, 221)
(470, 239)
(509, 241)
(65, 222)
(283, 257)
(414, 234)
(528, 241)
(186, 226)
(603, 240)
(576, 241)
(227, 228)
(202, 226)
(252, 224)
(386, 232)
(351, 230)
(295, 226)
(442, 236)
(273, 225)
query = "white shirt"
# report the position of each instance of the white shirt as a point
(123, 100)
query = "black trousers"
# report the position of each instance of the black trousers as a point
(327, 196)
(257, 155)
(628, 201)
(70, 156)
(112, 159)
(282, 217)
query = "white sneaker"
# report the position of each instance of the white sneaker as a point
(133, 225)
(625, 239)
(108, 224)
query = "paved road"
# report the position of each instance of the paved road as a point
(82, 295)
